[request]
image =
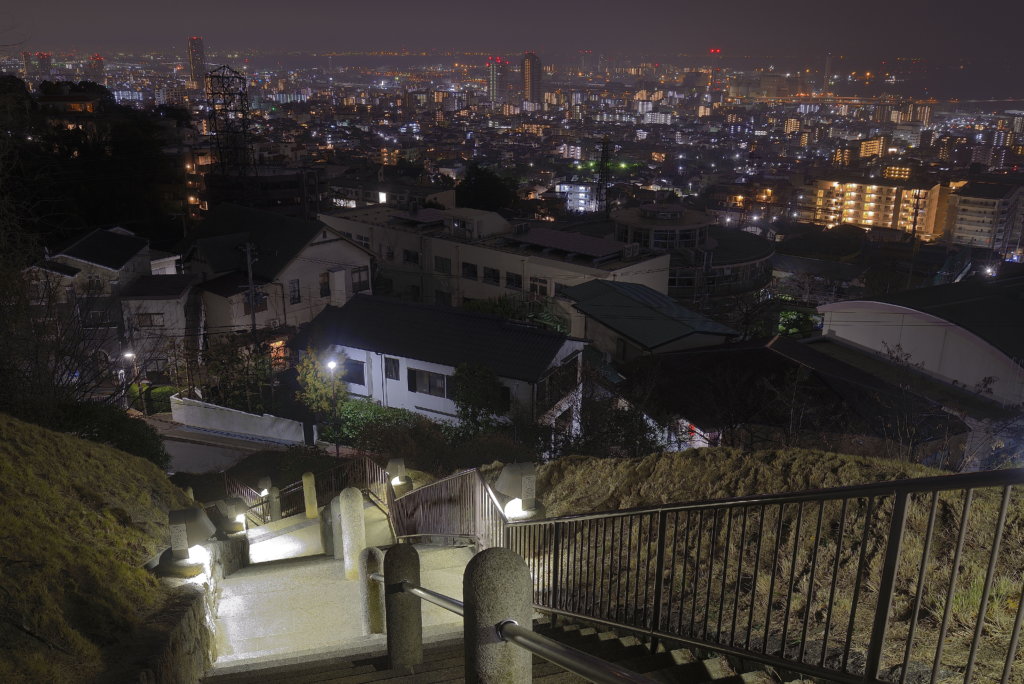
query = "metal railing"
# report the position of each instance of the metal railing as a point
(460, 507)
(918, 579)
(573, 660)
(353, 471)
(256, 508)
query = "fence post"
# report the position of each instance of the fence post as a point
(348, 529)
(371, 592)
(404, 612)
(496, 588)
(275, 503)
(309, 495)
(885, 589)
(556, 557)
(659, 582)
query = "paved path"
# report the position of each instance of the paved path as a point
(303, 607)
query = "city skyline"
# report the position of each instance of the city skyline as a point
(928, 30)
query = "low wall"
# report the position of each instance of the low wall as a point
(204, 416)
(184, 643)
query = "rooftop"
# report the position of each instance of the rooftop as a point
(400, 328)
(991, 308)
(983, 190)
(645, 316)
(111, 248)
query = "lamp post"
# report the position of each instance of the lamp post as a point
(130, 356)
(331, 366)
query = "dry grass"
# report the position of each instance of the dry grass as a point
(78, 521)
(725, 602)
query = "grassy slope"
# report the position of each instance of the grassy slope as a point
(580, 485)
(583, 485)
(78, 521)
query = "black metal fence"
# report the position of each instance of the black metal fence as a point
(916, 580)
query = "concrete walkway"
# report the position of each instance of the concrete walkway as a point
(303, 608)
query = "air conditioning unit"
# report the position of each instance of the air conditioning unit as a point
(631, 251)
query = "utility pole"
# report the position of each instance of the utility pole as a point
(251, 294)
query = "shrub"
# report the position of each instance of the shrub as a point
(108, 424)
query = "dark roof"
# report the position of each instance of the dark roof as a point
(58, 267)
(991, 308)
(574, 243)
(159, 286)
(832, 270)
(734, 246)
(645, 316)
(108, 248)
(278, 239)
(435, 334)
(230, 284)
(747, 383)
(986, 190)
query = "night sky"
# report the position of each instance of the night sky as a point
(922, 27)
(984, 31)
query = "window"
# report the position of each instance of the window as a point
(443, 265)
(94, 284)
(294, 294)
(325, 284)
(362, 241)
(389, 253)
(361, 279)
(390, 368)
(410, 257)
(539, 286)
(149, 320)
(355, 372)
(425, 382)
(442, 298)
(513, 281)
(469, 271)
(492, 276)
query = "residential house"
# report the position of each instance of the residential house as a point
(161, 312)
(86, 278)
(626, 320)
(298, 267)
(403, 354)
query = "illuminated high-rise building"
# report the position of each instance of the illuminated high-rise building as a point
(531, 73)
(94, 69)
(497, 79)
(196, 63)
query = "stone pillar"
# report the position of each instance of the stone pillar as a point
(371, 592)
(309, 494)
(190, 494)
(348, 529)
(404, 611)
(275, 503)
(496, 587)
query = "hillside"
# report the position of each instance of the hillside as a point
(79, 520)
(578, 484)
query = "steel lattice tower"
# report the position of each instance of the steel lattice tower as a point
(229, 121)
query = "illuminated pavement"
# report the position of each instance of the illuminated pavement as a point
(303, 608)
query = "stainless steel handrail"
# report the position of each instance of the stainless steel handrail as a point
(583, 664)
(579, 663)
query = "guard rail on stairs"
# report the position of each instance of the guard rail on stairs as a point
(915, 580)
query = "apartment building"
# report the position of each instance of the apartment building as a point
(883, 203)
(452, 256)
(988, 215)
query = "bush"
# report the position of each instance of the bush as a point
(108, 424)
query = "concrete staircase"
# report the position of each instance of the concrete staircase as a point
(444, 662)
